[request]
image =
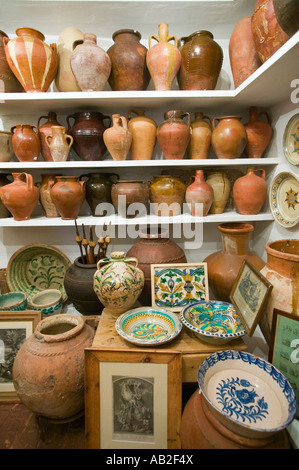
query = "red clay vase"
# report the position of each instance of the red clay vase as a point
(68, 195)
(174, 134)
(201, 193)
(25, 142)
(21, 196)
(259, 133)
(118, 138)
(250, 192)
(229, 137)
(127, 192)
(44, 130)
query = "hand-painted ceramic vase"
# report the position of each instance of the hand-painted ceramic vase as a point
(32, 61)
(228, 137)
(44, 130)
(25, 142)
(200, 140)
(118, 138)
(65, 80)
(118, 282)
(68, 195)
(98, 191)
(21, 196)
(163, 59)
(130, 197)
(45, 198)
(59, 143)
(174, 134)
(144, 135)
(167, 194)
(199, 195)
(287, 15)
(259, 133)
(8, 81)
(250, 191)
(221, 185)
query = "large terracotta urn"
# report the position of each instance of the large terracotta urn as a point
(167, 194)
(21, 196)
(250, 191)
(201, 134)
(199, 195)
(229, 137)
(154, 246)
(174, 134)
(144, 135)
(98, 191)
(48, 370)
(4, 212)
(224, 265)
(287, 15)
(282, 271)
(68, 195)
(8, 81)
(221, 188)
(130, 197)
(65, 79)
(32, 61)
(259, 133)
(44, 130)
(45, 198)
(118, 138)
(26, 143)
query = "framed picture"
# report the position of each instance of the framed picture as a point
(176, 286)
(133, 399)
(249, 295)
(284, 347)
(15, 328)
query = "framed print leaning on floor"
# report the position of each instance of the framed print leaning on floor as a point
(133, 399)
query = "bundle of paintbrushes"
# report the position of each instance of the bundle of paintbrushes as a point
(90, 253)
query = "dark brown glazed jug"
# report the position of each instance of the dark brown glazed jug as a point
(98, 191)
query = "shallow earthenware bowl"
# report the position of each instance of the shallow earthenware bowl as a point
(13, 301)
(49, 301)
(246, 393)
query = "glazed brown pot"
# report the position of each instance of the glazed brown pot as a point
(250, 191)
(118, 138)
(229, 137)
(68, 195)
(45, 199)
(259, 133)
(48, 370)
(21, 196)
(221, 188)
(201, 62)
(174, 134)
(127, 192)
(25, 142)
(154, 246)
(287, 15)
(200, 140)
(44, 130)
(224, 265)
(8, 81)
(4, 212)
(167, 194)
(244, 59)
(128, 59)
(144, 135)
(98, 190)
(201, 193)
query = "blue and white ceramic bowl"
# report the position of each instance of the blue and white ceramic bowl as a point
(13, 301)
(246, 393)
(213, 321)
(48, 301)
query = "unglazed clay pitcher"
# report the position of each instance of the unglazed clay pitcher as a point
(221, 188)
(174, 134)
(68, 195)
(199, 195)
(259, 133)
(163, 59)
(228, 137)
(44, 130)
(65, 80)
(200, 141)
(144, 135)
(25, 142)
(167, 194)
(45, 199)
(118, 282)
(250, 191)
(118, 138)
(8, 81)
(59, 143)
(98, 191)
(21, 196)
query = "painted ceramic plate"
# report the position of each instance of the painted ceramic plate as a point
(249, 393)
(291, 140)
(37, 267)
(147, 326)
(284, 199)
(213, 321)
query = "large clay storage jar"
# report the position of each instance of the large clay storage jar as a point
(144, 135)
(287, 15)
(174, 134)
(68, 195)
(90, 64)
(244, 59)
(282, 271)
(48, 370)
(154, 246)
(25, 142)
(4, 212)
(163, 59)
(6, 152)
(201, 62)
(130, 197)
(221, 188)
(259, 133)
(33, 62)
(199, 195)
(200, 140)
(8, 81)
(128, 60)
(59, 143)
(268, 35)
(98, 191)
(44, 130)
(45, 198)
(224, 265)
(250, 191)
(167, 194)
(128, 281)
(228, 137)
(87, 132)
(65, 80)
(118, 138)
(78, 284)
(21, 196)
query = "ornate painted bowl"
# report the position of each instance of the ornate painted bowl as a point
(13, 301)
(246, 393)
(147, 326)
(213, 321)
(48, 301)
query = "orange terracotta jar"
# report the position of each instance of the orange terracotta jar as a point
(25, 142)
(174, 134)
(259, 133)
(68, 195)
(250, 191)
(200, 141)
(199, 195)
(229, 137)
(21, 196)
(144, 135)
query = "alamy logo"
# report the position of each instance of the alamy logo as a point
(295, 93)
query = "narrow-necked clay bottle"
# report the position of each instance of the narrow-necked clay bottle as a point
(59, 143)
(144, 134)
(250, 191)
(118, 138)
(21, 196)
(199, 195)
(173, 134)
(200, 141)
(259, 133)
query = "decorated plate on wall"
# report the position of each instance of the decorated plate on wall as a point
(291, 140)
(284, 199)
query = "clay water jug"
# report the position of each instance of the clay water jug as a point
(65, 80)
(128, 59)
(163, 59)
(90, 64)
(174, 134)
(228, 137)
(59, 143)
(125, 193)
(287, 15)
(45, 198)
(21, 196)
(201, 62)
(250, 191)
(221, 185)
(33, 62)
(144, 135)
(259, 133)
(118, 138)
(4, 212)
(200, 140)
(167, 194)
(25, 142)
(6, 152)
(44, 130)
(8, 81)
(244, 59)
(98, 191)
(68, 195)
(199, 195)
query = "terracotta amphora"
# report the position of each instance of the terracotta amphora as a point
(59, 143)
(221, 188)
(259, 133)
(6, 152)
(98, 191)
(21, 196)
(118, 138)
(167, 194)
(250, 191)
(25, 142)
(144, 135)
(65, 80)
(68, 195)
(45, 198)
(200, 141)
(174, 134)
(228, 137)
(287, 15)
(91, 65)
(44, 130)
(8, 81)
(4, 212)
(125, 193)
(32, 61)
(244, 59)
(163, 59)
(199, 195)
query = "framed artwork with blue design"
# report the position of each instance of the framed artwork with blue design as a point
(177, 286)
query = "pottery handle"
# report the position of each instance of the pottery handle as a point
(47, 140)
(41, 117)
(208, 118)
(82, 185)
(263, 173)
(265, 113)
(29, 180)
(67, 136)
(77, 43)
(150, 38)
(135, 111)
(123, 121)
(68, 120)
(173, 38)
(189, 118)
(12, 129)
(213, 122)
(132, 260)
(5, 40)
(100, 262)
(110, 121)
